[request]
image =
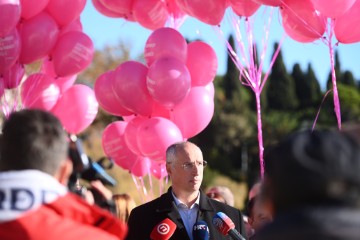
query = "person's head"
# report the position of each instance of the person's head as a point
(185, 165)
(259, 212)
(312, 169)
(124, 204)
(221, 194)
(34, 139)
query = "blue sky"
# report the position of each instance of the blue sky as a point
(110, 31)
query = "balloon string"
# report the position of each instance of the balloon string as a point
(250, 73)
(317, 115)
(151, 195)
(333, 74)
(138, 188)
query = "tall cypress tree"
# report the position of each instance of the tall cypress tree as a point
(314, 86)
(281, 93)
(348, 79)
(300, 88)
(230, 80)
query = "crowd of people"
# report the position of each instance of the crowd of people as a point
(311, 190)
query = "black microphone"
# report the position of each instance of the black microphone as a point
(200, 231)
(226, 226)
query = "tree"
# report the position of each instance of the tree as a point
(230, 82)
(281, 93)
(348, 79)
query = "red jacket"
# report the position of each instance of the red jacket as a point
(67, 218)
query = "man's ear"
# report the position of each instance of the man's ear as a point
(64, 172)
(169, 168)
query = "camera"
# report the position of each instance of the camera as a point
(85, 168)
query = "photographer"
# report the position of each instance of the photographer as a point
(34, 172)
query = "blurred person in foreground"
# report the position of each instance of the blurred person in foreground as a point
(34, 172)
(222, 194)
(259, 213)
(313, 181)
(124, 204)
(184, 203)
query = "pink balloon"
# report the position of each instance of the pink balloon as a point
(274, 3)
(346, 26)
(9, 50)
(75, 25)
(30, 8)
(151, 14)
(202, 63)
(129, 118)
(333, 8)
(168, 81)
(211, 12)
(38, 35)
(76, 108)
(174, 9)
(9, 15)
(39, 91)
(114, 145)
(131, 134)
(158, 169)
(2, 88)
(141, 167)
(165, 42)
(121, 8)
(12, 77)
(244, 8)
(72, 53)
(157, 134)
(200, 106)
(301, 21)
(160, 111)
(101, 8)
(211, 89)
(64, 83)
(105, 94)
(65, 11)
(130, 87)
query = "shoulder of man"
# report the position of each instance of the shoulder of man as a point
(48, 223)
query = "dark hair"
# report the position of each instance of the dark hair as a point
(32, 139)
(313, 168)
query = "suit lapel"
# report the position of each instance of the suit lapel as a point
(169, 208)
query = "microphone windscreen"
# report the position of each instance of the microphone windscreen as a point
(163, 230)
(223, 223)
(201, 231)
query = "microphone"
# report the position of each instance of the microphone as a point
(163, 230)
(201, 231)
(225, 226)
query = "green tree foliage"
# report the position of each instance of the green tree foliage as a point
(307, 87)
(281, 94)
(348, 79)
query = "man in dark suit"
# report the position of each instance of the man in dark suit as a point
(184, 203)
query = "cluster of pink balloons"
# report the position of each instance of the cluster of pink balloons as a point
(166, 100)
(154, 14)
(51, 32)
(306, 21)
(151, 14)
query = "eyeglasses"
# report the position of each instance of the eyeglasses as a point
(190, 165)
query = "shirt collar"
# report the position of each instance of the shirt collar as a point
(180, 203)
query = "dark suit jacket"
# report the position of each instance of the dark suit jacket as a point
(145, 217)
